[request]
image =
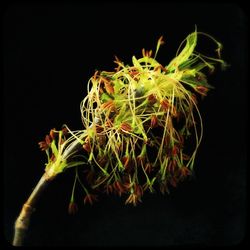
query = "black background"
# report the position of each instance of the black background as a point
(51, 50)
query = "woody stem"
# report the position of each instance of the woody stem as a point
(22, 222)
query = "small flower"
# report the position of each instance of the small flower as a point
(86, 146)
(201, 90)
(146, 53)
(172, 166)
(152, 99)
(133, 72)
(133, 199)
(125, 161)
(118, 187)
(175, 150)
(48, 139)
(138, 190)
(154, 121)
(125, 127)
(52, 134)
(140, 159)
(43, 145)
(161, 41)
(90, 198)
(73, 208)
(109, 88)
(165, 104)
(136, 193)
(173, 111)
(184, 171)
(109, 105)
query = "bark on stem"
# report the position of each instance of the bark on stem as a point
(22, 222)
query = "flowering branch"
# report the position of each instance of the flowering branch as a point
(137, 120)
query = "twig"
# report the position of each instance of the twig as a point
(22, 222)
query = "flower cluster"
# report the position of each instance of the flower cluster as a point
(138, 121)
